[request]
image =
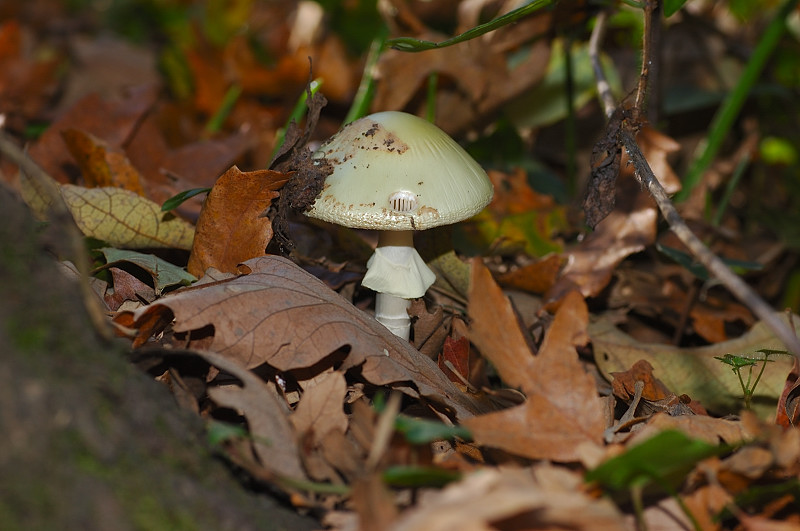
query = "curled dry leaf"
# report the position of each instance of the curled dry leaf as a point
(562, 409)
(232, 227)
(124, 219)
(278, 314)
(112, 120)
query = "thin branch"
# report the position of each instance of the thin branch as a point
(738, 287)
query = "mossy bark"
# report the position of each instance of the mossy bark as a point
(86, 440)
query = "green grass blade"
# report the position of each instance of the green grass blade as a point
(729, 111)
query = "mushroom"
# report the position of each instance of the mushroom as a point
(397, 173)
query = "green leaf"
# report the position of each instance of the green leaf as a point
(662, 460)
(164, 273)
(419, 476)
(421, 431)
(176, 200)
(672, 6)
(737, 362)
(407, 44)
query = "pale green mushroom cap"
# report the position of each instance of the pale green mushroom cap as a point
(395, 171)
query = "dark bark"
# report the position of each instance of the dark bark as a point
(86, 440)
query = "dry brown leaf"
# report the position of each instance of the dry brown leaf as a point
(113, 121)
(267, 417)
(531, 498)
(321, 408)
(625, 382)
(124, 219)
(232, 226)
(481, 74)
(276, 313)
(628, 229)
(709, 429)
(562, 409)
(695, 371)
(537, 277)
(100, 164)
(374, 503)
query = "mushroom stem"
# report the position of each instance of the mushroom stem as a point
(392, 312)
(397, 273)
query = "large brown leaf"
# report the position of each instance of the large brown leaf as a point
(278, 314)
(562, 409)
(232, 227)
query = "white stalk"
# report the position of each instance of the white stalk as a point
(397, 273)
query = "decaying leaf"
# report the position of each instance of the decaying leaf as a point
(562, 408)
(276, 313)
(695, 371)
(232, 226)
(124, 219)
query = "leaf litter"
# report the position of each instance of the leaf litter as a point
(532, 388)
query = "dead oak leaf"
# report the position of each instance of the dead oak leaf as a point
(562, 410)
(277, 313)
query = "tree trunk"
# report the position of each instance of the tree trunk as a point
(86, 440)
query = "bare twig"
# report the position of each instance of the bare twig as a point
(60, 215)
(738, 287)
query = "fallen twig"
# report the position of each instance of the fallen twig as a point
(738, 287)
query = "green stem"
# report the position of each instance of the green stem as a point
(215, 122)
(366, 88)
(729, 111)
(430, 101)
